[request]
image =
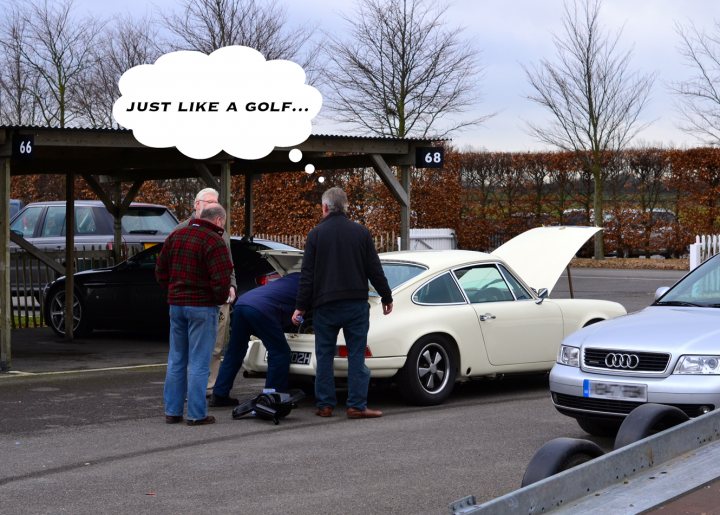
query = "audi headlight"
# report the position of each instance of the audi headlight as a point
(569, 356)
(704, 365)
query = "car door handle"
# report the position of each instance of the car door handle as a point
(487, 316)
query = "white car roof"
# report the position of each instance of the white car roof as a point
(437, 258)
(537, 256)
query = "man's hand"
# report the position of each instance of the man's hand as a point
(297, 316)
(387, 308)
(231, 296)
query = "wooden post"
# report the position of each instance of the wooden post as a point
(5, 300)
(405, 210)
(249, 221)
(224, 199)
(69, 253)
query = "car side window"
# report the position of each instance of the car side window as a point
(518, 290)
(483, 283)
(54, 221)
(25, 223)
(85, 220)
(441, 290)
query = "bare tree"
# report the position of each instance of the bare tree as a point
(129, 42)
(593, 96)
(700, 95)
(58, 50)
(206, 25)
(401, 71)
(18, 105)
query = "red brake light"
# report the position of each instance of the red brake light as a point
(341, 352)
(262, 280)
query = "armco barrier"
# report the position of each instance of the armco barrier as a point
(628, 480)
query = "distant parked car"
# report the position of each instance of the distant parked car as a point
(43, 225)
(668, 353)
(632, 232)
(126, 297)
(15, 206)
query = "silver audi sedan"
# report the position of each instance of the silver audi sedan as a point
(667, 353)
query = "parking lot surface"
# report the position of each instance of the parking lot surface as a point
(82, 431)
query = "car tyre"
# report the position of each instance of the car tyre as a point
(599, 426)
(55, 313)
(558, 455)
(646, 420)
(429, 373)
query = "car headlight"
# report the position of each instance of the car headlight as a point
(705, 365)
(569, 356)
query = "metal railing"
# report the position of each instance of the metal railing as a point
(29, 275)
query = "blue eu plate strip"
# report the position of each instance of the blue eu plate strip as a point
(586, 388)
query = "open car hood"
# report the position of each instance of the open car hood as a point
(284, 261)
(540, 255)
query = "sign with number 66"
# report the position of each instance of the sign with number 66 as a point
(429, 157)
(23, 146)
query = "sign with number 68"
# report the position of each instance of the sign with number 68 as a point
(429, 157)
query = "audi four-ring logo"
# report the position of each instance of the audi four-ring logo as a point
(616, 360)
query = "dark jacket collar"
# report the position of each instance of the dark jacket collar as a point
(200, 222)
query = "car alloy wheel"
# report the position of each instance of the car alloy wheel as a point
(428, 376)
(432, 367)
(56, 313)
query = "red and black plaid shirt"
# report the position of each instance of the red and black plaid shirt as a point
(194, 265)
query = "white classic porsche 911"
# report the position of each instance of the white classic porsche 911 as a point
(460, 314)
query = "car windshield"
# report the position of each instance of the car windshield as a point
(148, 220)
(699, 288)
(398, 273)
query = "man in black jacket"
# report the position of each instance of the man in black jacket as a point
(339, 259)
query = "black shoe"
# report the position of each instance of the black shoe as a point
(218, 401)
(201, 422)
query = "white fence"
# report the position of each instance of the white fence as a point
(705, 247)
(384, 242)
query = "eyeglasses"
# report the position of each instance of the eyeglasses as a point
(208, 201)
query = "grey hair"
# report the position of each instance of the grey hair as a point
(336, 200)
(213, 211)
(206, 191)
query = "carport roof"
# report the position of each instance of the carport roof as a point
(117, 153)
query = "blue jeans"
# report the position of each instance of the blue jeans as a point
(192, 335)
(247, 320)
(353, 317)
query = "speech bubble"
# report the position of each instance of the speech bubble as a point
(232, 99)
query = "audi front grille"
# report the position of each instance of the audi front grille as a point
(625, 361)
(571, 404)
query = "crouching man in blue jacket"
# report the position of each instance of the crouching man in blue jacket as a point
(261, 312)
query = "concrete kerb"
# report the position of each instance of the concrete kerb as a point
(624, 468)
(18, 373)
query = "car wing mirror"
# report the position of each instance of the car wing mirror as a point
(661, 291)
(542, 294)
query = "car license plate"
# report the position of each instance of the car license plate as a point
(297, 358)
(616, 391)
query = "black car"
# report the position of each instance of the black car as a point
(127, 297)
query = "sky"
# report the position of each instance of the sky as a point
(511, 34)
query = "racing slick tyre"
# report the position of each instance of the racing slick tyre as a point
(646, 420)
(429, 373)
(55, 313)
(558, 455)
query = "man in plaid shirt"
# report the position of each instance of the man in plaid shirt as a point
(195, 266)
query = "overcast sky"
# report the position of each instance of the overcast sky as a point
(513, 33)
